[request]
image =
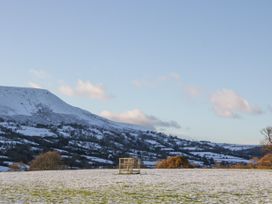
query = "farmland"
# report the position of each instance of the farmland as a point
(152, 186)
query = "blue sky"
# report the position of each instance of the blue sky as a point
(196, 69)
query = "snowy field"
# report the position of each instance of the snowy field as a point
(152, 186)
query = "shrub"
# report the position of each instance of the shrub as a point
(47, 161)
(265, 162)
(14, 167)
(241, 166)
(18, 166)
(173, 163)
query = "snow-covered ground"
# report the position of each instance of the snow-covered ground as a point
(235, 147)
(38, 132)
(152, 186)
(97, 159)
(220, 157)
(3, 168)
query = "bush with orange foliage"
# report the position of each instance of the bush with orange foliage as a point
(173, 163)
(265, 162)
(47, 161)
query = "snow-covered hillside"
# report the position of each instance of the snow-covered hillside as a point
(34, 120)
(39, 105)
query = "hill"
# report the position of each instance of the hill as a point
(34, 120)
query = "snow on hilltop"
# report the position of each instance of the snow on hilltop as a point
(26, 101)
(31, 103)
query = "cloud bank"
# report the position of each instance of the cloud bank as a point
(85, 89)
(227, 103)
(138, 117)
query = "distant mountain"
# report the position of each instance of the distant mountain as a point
(41, 106)
(34, 120)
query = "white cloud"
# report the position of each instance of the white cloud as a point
(138, 117)
(66, 90)
(192, 91)
(156, 80)
(34, 85)
(85, 89)
(229, 104)
(38, 73)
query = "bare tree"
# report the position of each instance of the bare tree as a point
(267, 132)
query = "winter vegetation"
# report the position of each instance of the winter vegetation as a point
(267, 133)
(47, 161)
(173, 163)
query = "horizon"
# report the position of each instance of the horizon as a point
(194, 70)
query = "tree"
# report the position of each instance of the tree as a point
(266, 160)
(267, 132)
(47, 161)
(20, 153)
